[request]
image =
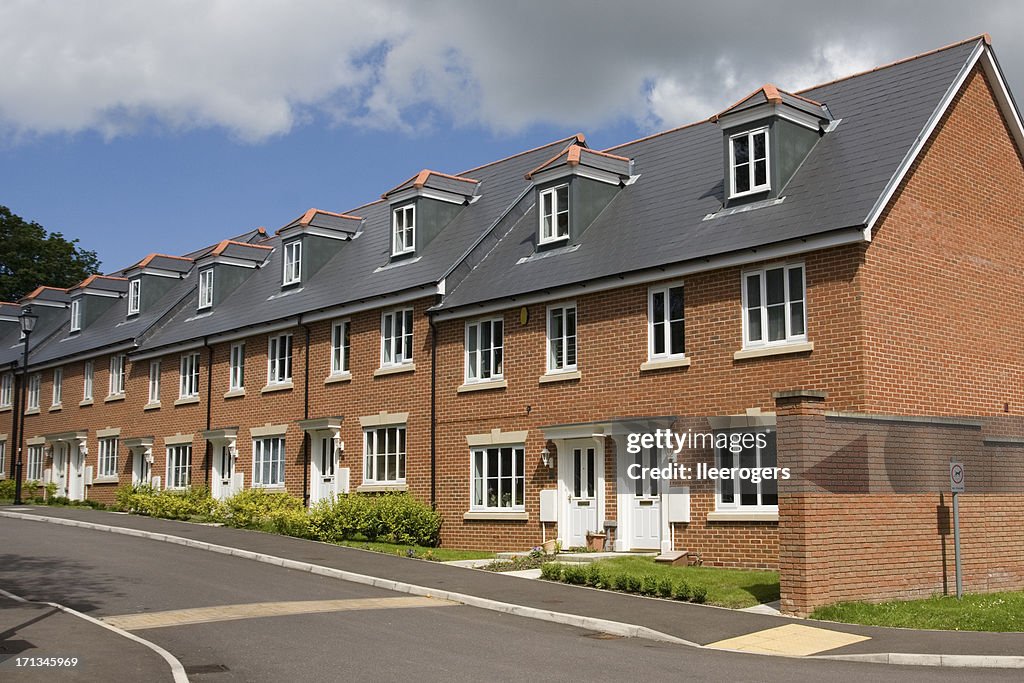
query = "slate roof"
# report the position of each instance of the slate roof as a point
(438, 181)
(660, 219)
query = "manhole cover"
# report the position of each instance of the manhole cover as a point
(199, 669)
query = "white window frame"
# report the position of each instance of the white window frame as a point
(494, 356)
(188, 378)
(666, 333)
(117, 375)
(179, 467)
(268, 462)
(341, 347)
(205, 289)
(393, 345)
(279, 360)
(34, 464)
(134, 296)
(236, 367)
(58, 388)
(88, 375)
(788, 303)
(292, 263)
(403, 229)
(35, 382)
(735, 506)
(749, 135)
(108, 457)
(76, 315)
(549, 231)
(479, 479)
(6, 390)
(154, 382)
(564, 340)
(395, 445)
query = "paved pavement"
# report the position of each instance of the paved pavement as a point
(697, 624)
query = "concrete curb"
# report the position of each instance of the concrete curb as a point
(593, 623)
(604, 625)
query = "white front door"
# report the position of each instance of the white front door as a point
(76, 473)
(223, 472)
(59, 472)
(323, 472)
(644, 532)
(582, 485)
(140, 468)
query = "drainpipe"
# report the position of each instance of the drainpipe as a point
(433, 413)
(209, 405)
(305, 416)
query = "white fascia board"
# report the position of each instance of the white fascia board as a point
(922, 140)
(48, 304)
(230, 261)
(765, 111)
(102, 292)
(1003, 97)
(657, 274)
(156, 272)
(329, 233)
(440, 195)
(563, 172)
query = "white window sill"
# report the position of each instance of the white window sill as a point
(394, 369)
(114, 397)
(155, 405)
(187, 401)
(742, 516)
(269, 487)
(32, 411)
(564, 239)
(560, 376)
(498, 515)
(780, 350)
(234, 393)
(338, 377)
(382, 488)
(56, 407)
(6, 409)
(665, 364)
(483, 386)
(85, 402)
(105, 480)
(753, 190)
(283, 386)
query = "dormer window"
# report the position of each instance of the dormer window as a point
(76, 315)
(134, 296)
(403, 230)
(748, 153)
(205, 288)
(292, 263)
(554, 214)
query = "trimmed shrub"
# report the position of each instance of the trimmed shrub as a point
(573, 574)
(665, 587)
(700, 595)
(393, 517)
(681, 591)
(592, 576)
(145, 500)
(552, 571)
(254, 508)
(648, 585)
(287, 522)
(7, 489)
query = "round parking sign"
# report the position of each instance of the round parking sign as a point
(956, 477)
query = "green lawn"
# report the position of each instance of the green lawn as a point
(438, 554)
(735, 588)
(989, 612)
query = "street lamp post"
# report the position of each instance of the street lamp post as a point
(28, 323)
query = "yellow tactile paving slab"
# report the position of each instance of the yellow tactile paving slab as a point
(793, 640)
(203, 615)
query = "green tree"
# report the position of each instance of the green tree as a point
(30, 257)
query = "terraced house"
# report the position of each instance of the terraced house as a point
(820, 263)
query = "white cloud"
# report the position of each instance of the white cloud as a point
(260, 68)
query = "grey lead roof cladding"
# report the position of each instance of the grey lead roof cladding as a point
(162, 262)
(659, 220)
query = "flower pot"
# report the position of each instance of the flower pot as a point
(550, 547)
(595, 541)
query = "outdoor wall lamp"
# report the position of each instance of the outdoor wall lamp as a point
(547, 458)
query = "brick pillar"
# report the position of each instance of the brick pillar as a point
(804, 563)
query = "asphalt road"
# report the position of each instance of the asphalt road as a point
(107, 576)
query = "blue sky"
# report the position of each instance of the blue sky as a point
(165, 126)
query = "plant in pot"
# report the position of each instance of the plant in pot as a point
(595, 540)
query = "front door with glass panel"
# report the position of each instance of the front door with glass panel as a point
(324, 461)
(583, 493)
(223, 472)
(59, 471)
(140, 468)
(76, 473)
(645, 512)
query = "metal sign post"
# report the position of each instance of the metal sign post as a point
(956, 485)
